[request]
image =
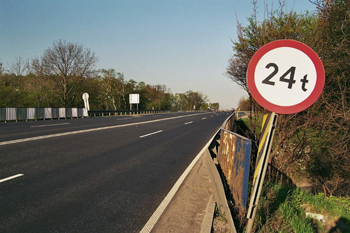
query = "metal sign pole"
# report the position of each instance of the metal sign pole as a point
(266, 140)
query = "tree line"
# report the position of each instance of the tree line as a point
(67, 70)
(314, 143)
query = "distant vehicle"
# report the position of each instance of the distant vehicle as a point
(232, 110)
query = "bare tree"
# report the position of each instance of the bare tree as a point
(67, 64)
(19, 66)
(1, 68)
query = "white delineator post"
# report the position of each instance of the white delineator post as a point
(86, 103)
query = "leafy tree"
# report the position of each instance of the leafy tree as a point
(121, 90)
(12, 95)
(290, 133)
(214, 106)
(196, 101)
(155, 94)
(181, 101)
(141, 89)
(314, 142)
(107, 94)
(244, 104)
(329, 163)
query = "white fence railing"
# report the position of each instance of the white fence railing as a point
(22, 114)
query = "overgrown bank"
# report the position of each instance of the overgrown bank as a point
(312, 146)
(284, 207)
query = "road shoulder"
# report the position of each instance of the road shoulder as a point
(187, 209)
(192, 207)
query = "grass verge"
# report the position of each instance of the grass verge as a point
(283, 209)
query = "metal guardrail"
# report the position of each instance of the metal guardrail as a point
(96, 113)
(25, 114)
(234, 159)
(124, 112)
(229, 123)
(233, 156)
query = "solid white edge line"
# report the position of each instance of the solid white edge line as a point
(156, 215)
(146, 135)
(10, 178)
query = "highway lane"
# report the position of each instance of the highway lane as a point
(108, 180)
(11, 131)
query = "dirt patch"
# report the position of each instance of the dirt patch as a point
(339, 225)
(220, 224)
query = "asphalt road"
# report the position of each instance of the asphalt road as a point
(95, 174)
(242, 114)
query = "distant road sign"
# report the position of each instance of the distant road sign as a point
(85, 96)
(86, 101)
(285, 76)
(134, 98)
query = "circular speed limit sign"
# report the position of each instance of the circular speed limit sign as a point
(285, 76)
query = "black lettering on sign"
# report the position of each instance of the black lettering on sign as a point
(290, 80)
(268, 78)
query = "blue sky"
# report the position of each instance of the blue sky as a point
(184, 44)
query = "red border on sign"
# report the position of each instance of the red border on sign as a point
(320, 77)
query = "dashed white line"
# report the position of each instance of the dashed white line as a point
(124, 119)
(204, 118)
(10, 178)
(37, 126)
(190, 122)
(159, 131)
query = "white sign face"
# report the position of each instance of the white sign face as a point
(134, 98)
(287, 81)
(85, 96)
(285, 76)
(86, 101)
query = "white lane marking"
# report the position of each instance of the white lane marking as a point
(190, 122)
(204, 118)
(37, 126)
(159, 211)
(159, 131)
(124, 119)
(10, 178)
(90, 130)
